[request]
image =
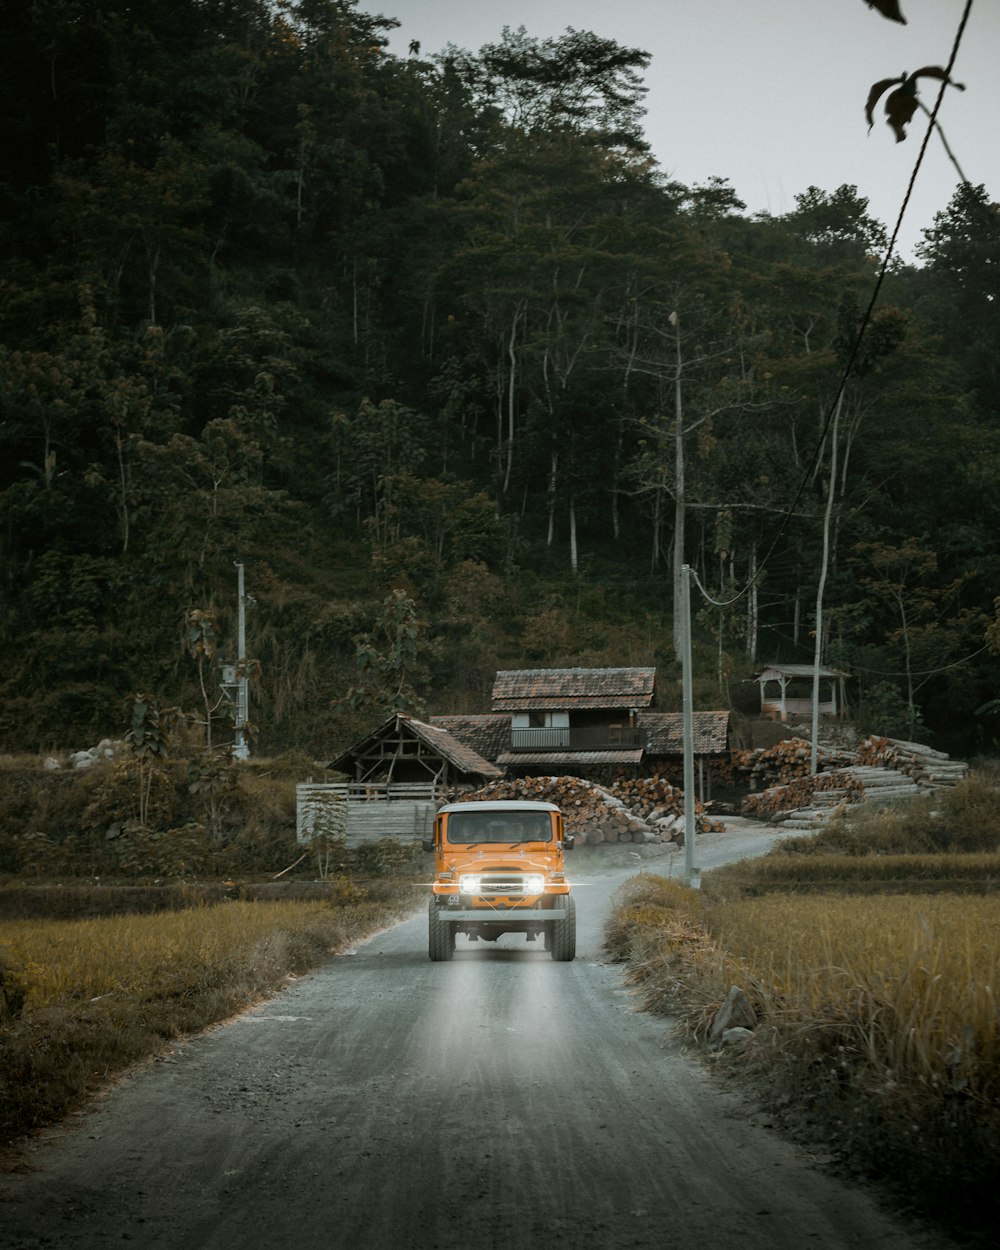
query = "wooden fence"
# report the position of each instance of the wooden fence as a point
(374, 811)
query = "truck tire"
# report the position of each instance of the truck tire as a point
(564, 932)
(440, 935)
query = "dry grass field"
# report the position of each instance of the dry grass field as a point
(872, 966)
(81, 1000)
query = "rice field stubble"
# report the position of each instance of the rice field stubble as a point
(82, 1000)
(877, 1034)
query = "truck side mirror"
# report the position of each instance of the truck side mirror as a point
(427, 844)
(568, 841)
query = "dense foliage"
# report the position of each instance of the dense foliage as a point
(435, 350)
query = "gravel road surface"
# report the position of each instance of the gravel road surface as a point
(501, 1100)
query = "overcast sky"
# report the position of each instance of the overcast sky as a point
(770, 94)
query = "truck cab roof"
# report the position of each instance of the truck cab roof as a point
(500, 805)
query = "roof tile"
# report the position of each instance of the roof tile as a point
(524, 689)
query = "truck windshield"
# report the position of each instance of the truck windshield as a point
(506, 827)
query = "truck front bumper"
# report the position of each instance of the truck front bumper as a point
(493, 915)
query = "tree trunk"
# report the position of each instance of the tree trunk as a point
(654, 562)
(753, 618)
(511, 391)
(818, 652)
(551, 491)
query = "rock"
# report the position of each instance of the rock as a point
(735, 1012)
(51, 764)
(82, 759)
(738, 1036)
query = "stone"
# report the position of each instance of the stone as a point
(735, 1012)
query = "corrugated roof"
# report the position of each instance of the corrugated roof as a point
(665, 732)
(526, 688)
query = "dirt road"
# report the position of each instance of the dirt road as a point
(500, 1100)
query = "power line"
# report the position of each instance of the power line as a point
(920, 672)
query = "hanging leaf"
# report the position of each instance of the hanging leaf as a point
(888, 8)
(876, 93)
(901, 104)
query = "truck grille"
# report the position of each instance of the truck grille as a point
(497, 884)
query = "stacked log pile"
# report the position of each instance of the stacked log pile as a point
(782, 764)
(883, 785)
(825, 792)
(649, 810)
(660, 803)
(882, 770)
(925, 766)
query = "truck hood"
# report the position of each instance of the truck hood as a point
(497, 860)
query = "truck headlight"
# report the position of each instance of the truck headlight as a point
(469, 884)
(534, 883)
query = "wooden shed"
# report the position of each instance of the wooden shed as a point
(397, 776)
(405, 750)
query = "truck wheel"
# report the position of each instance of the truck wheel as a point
(564, 932)
(440, 935)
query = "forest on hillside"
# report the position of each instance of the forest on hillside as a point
(434, 349)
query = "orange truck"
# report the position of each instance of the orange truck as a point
(499, 869)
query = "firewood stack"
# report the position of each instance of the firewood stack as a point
(927, 768)
(648, 810)
(825, 790)
(882, 770)
(782, 764)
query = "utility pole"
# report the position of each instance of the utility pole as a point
(680, 503)
(241, 750)
(691, 873)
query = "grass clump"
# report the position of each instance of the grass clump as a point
(658, 928)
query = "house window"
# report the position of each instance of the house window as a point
(540, 730)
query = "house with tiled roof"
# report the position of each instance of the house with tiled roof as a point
(573, 716)
(585, 721)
